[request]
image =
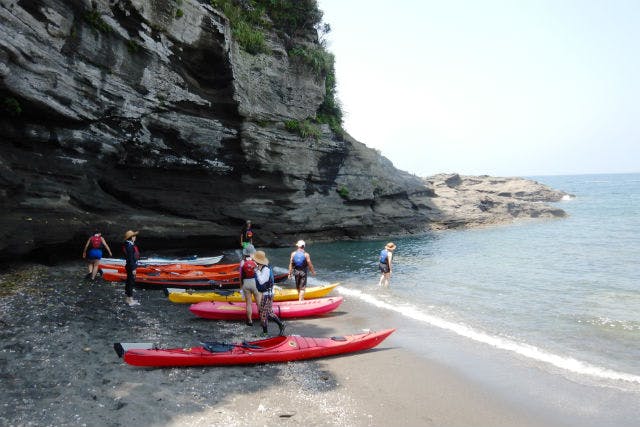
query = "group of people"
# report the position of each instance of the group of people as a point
(256, 274)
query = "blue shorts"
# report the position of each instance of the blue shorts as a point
(94, 253)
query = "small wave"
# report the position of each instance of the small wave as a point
(523, 349)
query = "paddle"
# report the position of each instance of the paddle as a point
(221, 347)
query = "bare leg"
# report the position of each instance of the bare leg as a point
(94, 268)
(249, 302)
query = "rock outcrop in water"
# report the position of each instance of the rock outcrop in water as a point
(131, 115)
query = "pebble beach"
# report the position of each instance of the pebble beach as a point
(58, 367)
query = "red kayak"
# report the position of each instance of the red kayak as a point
(283, 309)
(166, 280)
(275, 349)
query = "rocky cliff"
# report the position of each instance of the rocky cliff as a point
(147, 114)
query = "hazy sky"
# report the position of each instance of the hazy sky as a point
(505, 88)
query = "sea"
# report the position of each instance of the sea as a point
(555, 296)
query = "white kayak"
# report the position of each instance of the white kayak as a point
(195, 260)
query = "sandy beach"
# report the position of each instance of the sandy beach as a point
(58, 367)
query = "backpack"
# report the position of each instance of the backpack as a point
(96, 242)
(299, 260)
(383, 256)
(269, 283)
(248, 269)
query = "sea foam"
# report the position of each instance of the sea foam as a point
(526, 350)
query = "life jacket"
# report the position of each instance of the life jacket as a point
(248, 267)
(136, 251)
(249, 234)
(299, 260)
(96, 241)
(384, 257)
(264, 287)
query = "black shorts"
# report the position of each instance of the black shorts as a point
(384, 267)
(301, 279)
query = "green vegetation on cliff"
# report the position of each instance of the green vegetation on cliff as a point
(298, 23)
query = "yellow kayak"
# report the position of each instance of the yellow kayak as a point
(182, 296)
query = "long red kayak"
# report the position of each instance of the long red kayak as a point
(283, 309)
(173, 268)
(275, 349)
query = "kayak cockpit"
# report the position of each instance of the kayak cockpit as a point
(221, 347)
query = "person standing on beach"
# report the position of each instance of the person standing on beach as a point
(386, 257)
(246, 235)
(92, 252)
(131, 256)
(299, 265)
(248, 281)
(264, 283)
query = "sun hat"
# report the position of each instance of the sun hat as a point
(260, 257)
(300, 243)
(390, 246)
(248, 250)
(129, 234)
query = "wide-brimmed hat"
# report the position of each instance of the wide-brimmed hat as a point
(390, 246)
(248, 250)
(300, 243)
(260, 257)
(129, 234)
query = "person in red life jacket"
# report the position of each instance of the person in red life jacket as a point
(246, 235)
(264, 283)
(248, 282)
(92, 252)
(299, 265)
(386, 256)
(131, 256)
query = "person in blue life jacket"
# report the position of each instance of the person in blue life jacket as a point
(92, 252)
(131, 256)
(264, 283)
(248, 282)
(246, 235)
(386, 257)
(299, 265)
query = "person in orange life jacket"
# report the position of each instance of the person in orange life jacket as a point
(248, 281)
(264, 283)
(92, 252)
(246, 236)
(299, 264)
(386, 257)
(131, 256)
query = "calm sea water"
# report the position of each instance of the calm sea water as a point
(561, 293)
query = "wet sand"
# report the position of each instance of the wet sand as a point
(58, 367)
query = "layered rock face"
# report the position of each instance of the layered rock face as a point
(145, 114)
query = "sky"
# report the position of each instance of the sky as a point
(502, 88)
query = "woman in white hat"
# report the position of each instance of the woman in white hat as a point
(247, 278)
(386, 256)
(264, 283)
(299, 266)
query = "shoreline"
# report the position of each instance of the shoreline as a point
(59, 368)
